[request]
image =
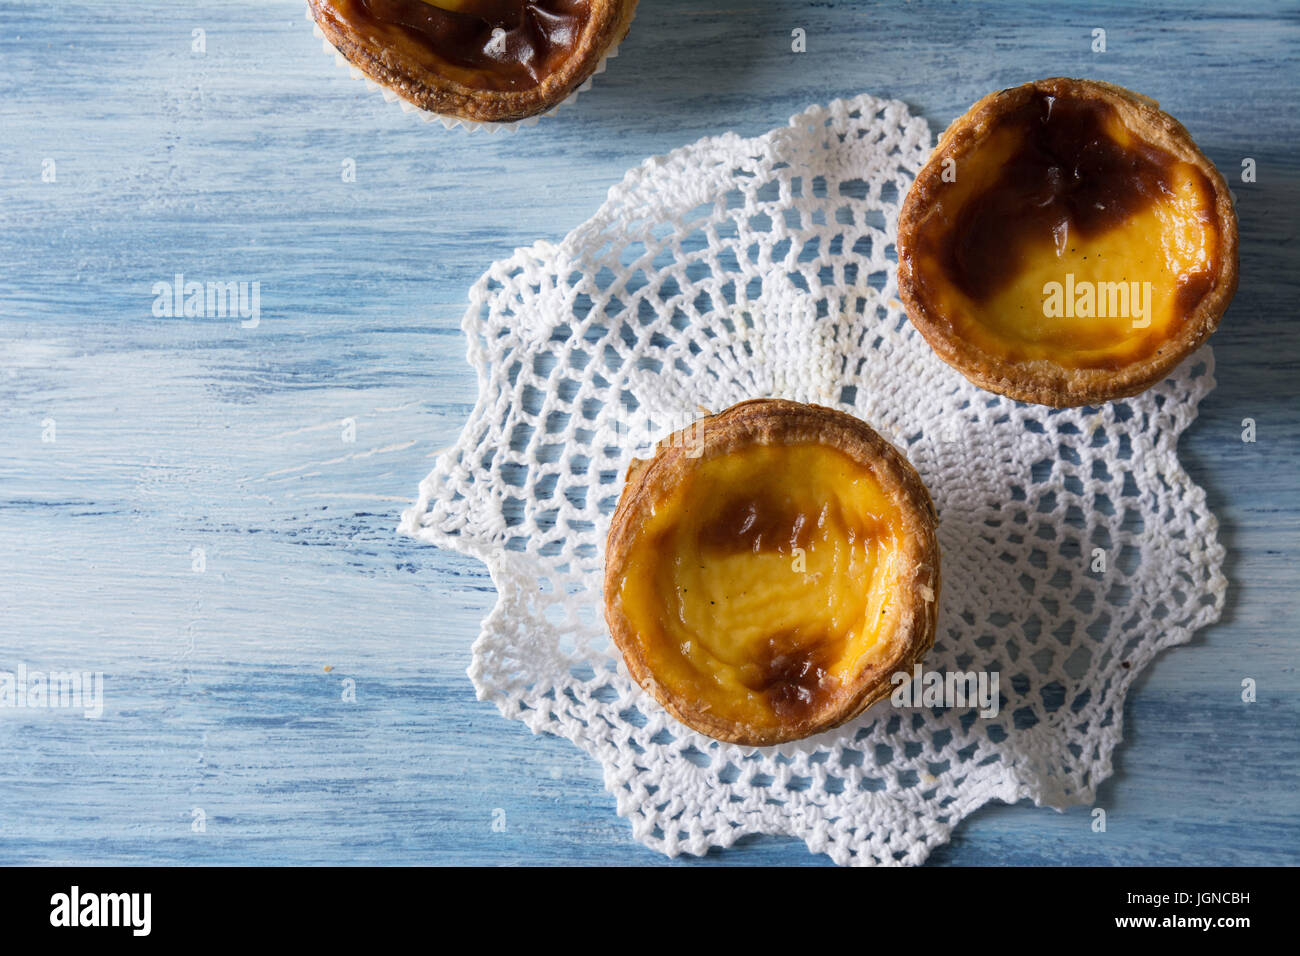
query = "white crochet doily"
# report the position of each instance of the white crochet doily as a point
(738, 268)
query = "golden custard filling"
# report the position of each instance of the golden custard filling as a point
(764, 581)
(496, 45)
(1063, 236)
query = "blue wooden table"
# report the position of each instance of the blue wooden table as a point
(204, 512)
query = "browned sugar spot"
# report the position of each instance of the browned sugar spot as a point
(792, 674)
(1191, 290)
(760, 523)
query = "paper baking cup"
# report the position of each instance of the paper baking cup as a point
(450, 122)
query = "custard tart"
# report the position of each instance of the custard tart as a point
(770, 570)
(1067, 244)
(481, 60)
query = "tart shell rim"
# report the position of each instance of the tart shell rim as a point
(778, 421)
(435, 93)
(1043, 381)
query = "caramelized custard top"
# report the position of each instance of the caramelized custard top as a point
(498, 45)
(1060, 191)
(765, 581)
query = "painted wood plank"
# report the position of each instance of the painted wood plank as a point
(181, 434)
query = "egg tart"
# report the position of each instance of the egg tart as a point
(770, 569)
(481, 60)
(1067, 244)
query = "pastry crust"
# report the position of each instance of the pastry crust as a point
(606, 26)
(778, 422)
(1042, 380)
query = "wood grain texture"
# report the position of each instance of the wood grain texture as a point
(176, 434)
